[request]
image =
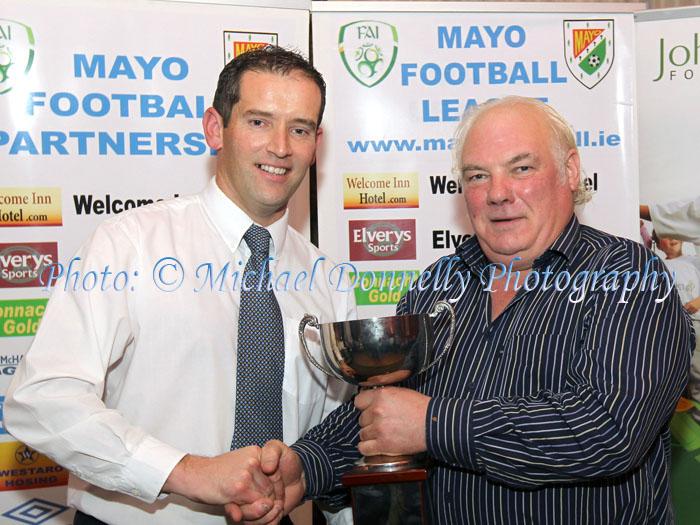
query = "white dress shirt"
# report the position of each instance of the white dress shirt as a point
(119, 385)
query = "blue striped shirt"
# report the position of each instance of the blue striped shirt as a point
(555, 412)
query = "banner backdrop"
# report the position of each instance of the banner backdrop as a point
(668, 83)
(100, 111)
(400, 75)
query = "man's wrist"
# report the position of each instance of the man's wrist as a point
(314, 459)
(176, 483)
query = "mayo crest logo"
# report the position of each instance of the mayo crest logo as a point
(16, 53)
(368, 49)
(238, 42)
(589, 47)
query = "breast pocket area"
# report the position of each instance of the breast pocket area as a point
(530, 363)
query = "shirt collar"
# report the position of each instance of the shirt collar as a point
(564, 246)
(232, 222)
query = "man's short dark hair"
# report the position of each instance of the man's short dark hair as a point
(268, 59)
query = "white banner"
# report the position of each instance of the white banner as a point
(668, 82)
(100, 111)
(668, 85)
(399, 77)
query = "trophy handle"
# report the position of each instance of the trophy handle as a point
(309, 319)
(443, 306)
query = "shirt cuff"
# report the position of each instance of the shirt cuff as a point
(318, 468)
(448, 432)
(149, 467)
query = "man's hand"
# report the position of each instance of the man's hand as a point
(392, 421)
(233, 479)
(283, 466)
(693, 306)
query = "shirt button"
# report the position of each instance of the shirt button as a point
(434, 419)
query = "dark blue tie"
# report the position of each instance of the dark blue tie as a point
(260, 367)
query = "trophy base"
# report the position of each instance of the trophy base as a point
(389, 490)
(389, 463)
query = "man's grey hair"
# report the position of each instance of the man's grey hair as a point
(563, 139)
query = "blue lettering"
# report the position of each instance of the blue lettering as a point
(445, 40)
(80, 64)
(168, 68)
(474, 38)
(519, 74)
(23, 142)
(461, 72)
(122, 67)
(179, 106)
(407, 70)
(104, 105)
(73, 104)
(53, 139)
(515, 36)
(137, 140)
(437, 75)
(147, 66)
(82, 137)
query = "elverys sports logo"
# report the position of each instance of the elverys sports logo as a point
(589, 46)
(368, 49)
(16, 53)
(21, 264)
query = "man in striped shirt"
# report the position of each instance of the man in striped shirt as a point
(571, 351)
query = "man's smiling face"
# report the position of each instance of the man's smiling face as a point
(269, 143)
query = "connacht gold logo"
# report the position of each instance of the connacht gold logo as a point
(16, 53)
(368, 49)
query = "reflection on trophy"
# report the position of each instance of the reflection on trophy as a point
(371, 353)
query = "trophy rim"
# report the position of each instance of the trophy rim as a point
(386, 318)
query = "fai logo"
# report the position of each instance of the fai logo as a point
(368, 49)
(238, 42)
(589, 49)
(16, 53)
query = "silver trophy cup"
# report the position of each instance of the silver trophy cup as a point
(371, 353)
(380, 350)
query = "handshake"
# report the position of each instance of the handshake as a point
(261, 485)
(256, 486)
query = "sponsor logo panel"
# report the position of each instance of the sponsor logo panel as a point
(20, 317)
(22, 468)
(35, 511)
(21, 264)
(87, 204)
(30, 207)
(380, 190)
(238, 42)
(16, 53)
(678, 57)
(368, 49)
(382, 240)
(8, 365)
(386, 287)
(589, 48)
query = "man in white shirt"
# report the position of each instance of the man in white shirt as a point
(134, 390)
